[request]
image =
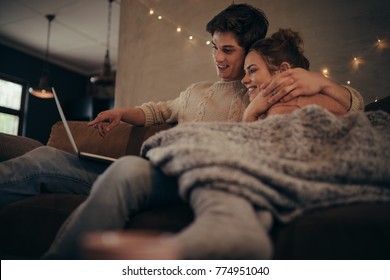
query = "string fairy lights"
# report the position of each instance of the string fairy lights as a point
(381, 44)
(356, 61)
(190, 35)
(325, 72)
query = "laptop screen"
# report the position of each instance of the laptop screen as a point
(72, 142)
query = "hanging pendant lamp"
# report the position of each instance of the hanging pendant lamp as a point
(102, 85)
(43, 90)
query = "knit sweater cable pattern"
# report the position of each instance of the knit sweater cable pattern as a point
(204, 101)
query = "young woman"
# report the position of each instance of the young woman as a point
(276, 54)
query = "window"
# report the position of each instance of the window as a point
(12, 105)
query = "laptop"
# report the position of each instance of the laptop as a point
(82, 155)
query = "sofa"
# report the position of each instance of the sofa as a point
(28, 226)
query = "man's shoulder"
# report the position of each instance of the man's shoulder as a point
(203, 84)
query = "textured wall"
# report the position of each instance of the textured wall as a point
(156, 63)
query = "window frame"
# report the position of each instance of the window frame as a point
(22, 112)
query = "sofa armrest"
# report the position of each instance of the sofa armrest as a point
(125, 139)
(13, 146)
(381, 104)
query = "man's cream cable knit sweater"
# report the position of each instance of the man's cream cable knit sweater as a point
(357, 102)
(207, 101)
(204, 101)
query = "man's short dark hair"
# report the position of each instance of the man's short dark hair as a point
(246, 22)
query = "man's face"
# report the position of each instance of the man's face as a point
(228, 56)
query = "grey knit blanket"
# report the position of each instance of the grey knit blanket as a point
(288, 164)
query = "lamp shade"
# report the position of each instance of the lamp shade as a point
(44, 89)
(103, 85)
(106, 78)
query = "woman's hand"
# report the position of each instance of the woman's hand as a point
(106, 121)
(300, 82)
(256, 109)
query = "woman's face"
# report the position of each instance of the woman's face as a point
(256, 73)
(228, 56)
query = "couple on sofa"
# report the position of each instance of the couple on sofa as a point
(132, 183)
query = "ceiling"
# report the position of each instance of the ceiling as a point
(78, 36)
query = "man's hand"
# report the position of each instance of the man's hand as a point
(106, 121)
(296, 82)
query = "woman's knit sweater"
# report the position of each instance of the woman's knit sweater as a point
(207, 101)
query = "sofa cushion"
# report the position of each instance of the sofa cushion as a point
(13, 146)
(88, 139)
(125, 139)
(30, 225)
(359, 231)
(140, 134)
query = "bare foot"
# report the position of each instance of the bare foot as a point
(128, 245)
